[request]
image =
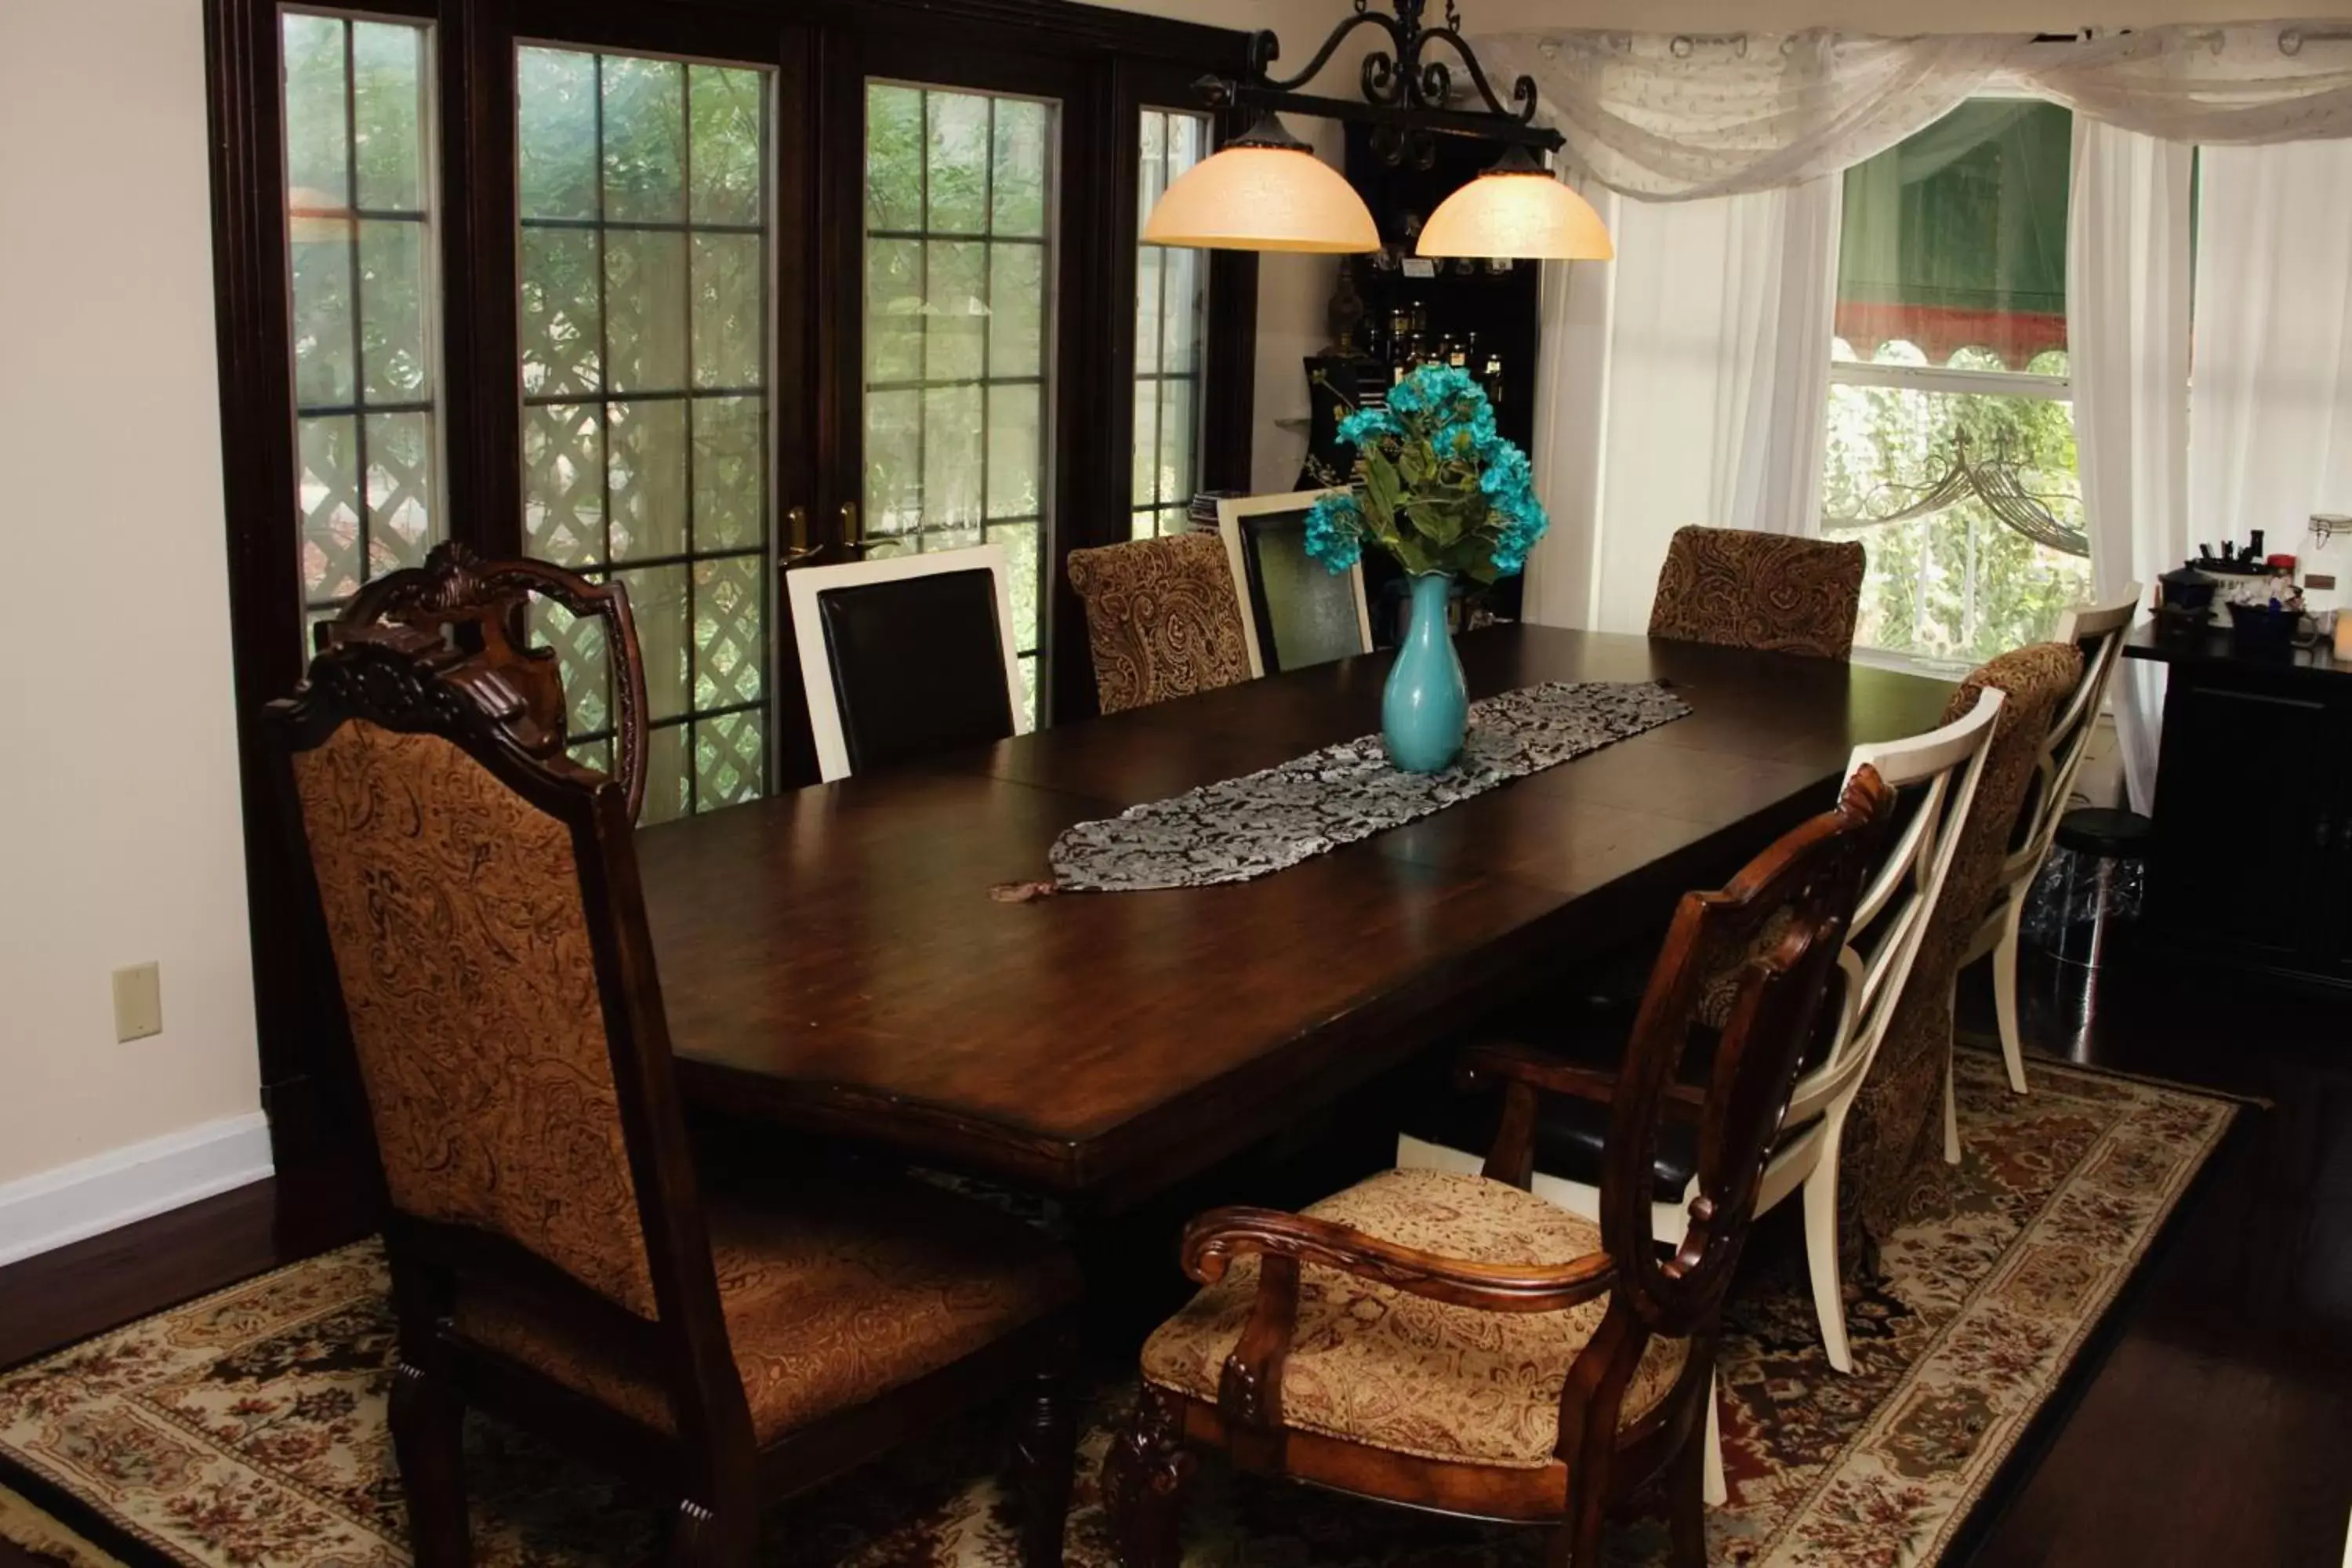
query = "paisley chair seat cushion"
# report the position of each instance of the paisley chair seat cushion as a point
(1374, 1365)
(852, 1289)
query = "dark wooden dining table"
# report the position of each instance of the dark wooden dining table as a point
(833, 963)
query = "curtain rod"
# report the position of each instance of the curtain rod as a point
(2291, 40)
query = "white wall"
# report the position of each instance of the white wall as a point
(120, 839)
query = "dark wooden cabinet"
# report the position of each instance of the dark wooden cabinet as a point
(2253, 865)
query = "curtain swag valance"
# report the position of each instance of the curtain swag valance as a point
(1679, 117)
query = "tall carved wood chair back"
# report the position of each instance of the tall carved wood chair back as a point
(1780, 929)
(2097, 631)
(486, 609)
(551, 1254)
(480, 905)
(1432, 1414)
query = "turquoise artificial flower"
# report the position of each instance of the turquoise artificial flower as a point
(1335, 532)
(1439, 428)
(1367, 424)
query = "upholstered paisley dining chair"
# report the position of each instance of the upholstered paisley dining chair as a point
(553, 1257)
(1905, 1113)
(1450, 1340)
(1773, 592)
(1163, 619)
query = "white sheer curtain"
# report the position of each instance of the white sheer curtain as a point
(2128, 267)
(2271, 408)
(1677, 118)
(1686, 117)
(1577, 314)
(1692, 386)
(1688, 382)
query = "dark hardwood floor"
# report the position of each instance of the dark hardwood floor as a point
(2217, 1427)
(2210, 1424)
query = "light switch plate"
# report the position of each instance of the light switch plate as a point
(138, 1002)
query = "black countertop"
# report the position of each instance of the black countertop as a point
(2213, 646)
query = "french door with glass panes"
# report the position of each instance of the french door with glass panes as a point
(678, 294)
(647, 308)
(952, 269)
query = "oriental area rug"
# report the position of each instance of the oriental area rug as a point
(247, 1429)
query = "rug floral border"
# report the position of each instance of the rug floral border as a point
(1998, 1303)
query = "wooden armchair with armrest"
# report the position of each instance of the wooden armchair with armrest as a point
(553, 1257)
(1452, 1341)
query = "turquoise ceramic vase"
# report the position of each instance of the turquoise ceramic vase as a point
(1426, 711)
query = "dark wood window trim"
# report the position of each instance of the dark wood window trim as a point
(1105, 64)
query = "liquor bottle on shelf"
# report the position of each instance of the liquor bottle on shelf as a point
(1491, 377)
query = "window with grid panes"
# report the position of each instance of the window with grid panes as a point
(1951, 339)
(644, 275)
(958, 328)
(362, 286)
(1171, 309)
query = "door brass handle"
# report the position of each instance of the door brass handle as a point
(853, 532)
(799, 549)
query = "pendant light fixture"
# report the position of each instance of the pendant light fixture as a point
(1266, 190)
(1516, 209)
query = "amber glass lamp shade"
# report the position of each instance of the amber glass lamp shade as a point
(1517, 211)
(1264, 191)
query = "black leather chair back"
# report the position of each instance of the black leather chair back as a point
(917, 666)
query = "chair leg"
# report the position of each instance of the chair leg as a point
(1686, 1482)
(725, 1536)
(428, 1440)
(1951, 1057)
(1045, 1445)
(1144, 1478)
(1717, 1490)
(1951, 1115)
(2004, 990)
(1577, 1543)
(1822, 1254)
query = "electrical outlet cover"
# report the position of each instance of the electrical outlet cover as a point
(138, 1002)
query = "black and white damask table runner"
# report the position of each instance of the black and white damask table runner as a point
(1241, 828)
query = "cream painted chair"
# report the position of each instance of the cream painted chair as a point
(1940, 769)
(906, 654)
(1294, 611)
(2098, 630)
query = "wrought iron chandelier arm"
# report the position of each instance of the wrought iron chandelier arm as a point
(1266, 49)
(1403, 88)
(1436, 79)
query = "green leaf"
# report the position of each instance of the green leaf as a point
(1440, 517)
(1383, 492)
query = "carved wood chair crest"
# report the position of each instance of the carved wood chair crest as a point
(482, 609)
